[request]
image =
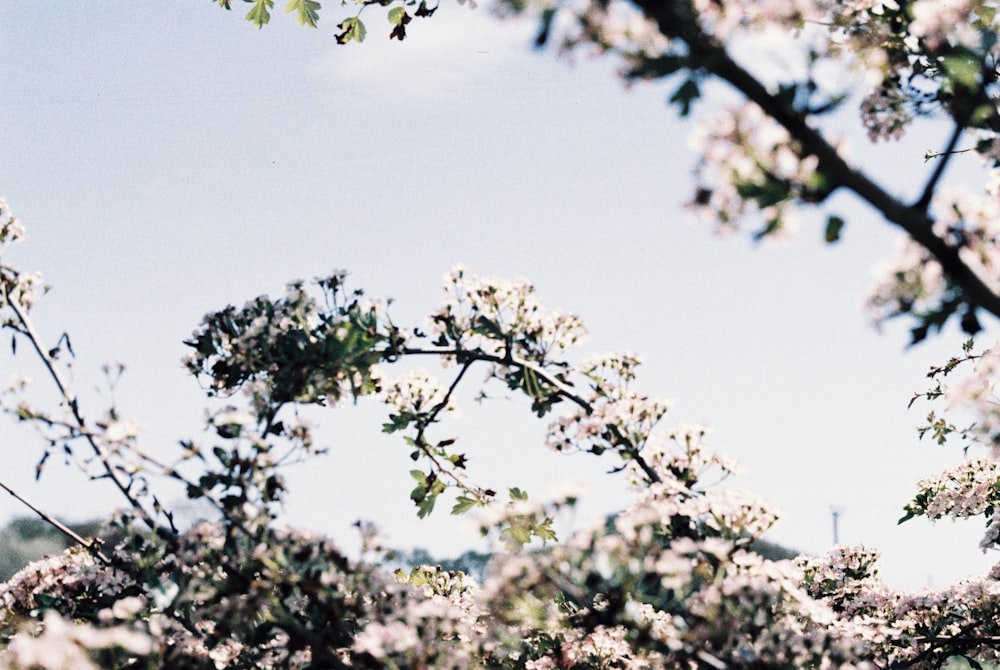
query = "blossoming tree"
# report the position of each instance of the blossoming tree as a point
(671, 581)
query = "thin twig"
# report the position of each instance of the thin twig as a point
(424, 446)
(71, 402)
(91, 546)
(925, 199)
(929, 155)
(562, 390)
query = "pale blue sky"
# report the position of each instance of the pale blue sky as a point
(168, 161)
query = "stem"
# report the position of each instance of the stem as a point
(925, 199)
(424, 446)
(28, 329)
(562, 391)
(91, 546)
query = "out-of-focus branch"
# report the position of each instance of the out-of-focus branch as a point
(678, 19)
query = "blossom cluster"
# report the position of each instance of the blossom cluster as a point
(11, 228)
(502, 318)
(725, 20)
(912, 280)
(900, 62)
(612, 415)
(751, 167)
(672, 580)
(414, 393)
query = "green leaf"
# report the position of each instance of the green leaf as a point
(396, 15)
(463, 504)
(544, 531)
(834, 224)
(771, 192)
(487, 326)
(962, 69)
(986, 15)
(259, 14)
(653, 67)
(397, 422)
(426, 505)
(351, 28)
(529, 382)
(515, 537)
(307, 11)
(686, 94)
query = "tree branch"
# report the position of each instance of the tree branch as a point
(562, 390)
(925, 199)
(28, 329)
(678, 19)
(91, 546)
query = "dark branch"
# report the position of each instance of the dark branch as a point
(678, 19)
(28, 329)
(91, 546)
(561, 390)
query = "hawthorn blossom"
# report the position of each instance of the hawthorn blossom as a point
(65, 580)
(493, 315)
(965, 490)
(24, 288)
(122, 430)
(65, 645)
(415, 393)
(941, 23)
(725, 19)
(11, 228)
(750, 167)
(624, 423)
(909, 280)
(885, 113)
(976, 393)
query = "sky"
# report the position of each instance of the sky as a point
(167, 163)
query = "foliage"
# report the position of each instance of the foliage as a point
(675, 580)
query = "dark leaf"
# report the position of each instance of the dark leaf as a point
(970, 322)
(423, 10)
(545, 28)
(686, 94)
(834, 224)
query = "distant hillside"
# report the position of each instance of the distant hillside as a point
(28, 539)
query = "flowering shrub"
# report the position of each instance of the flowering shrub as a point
(670, 581)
